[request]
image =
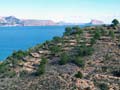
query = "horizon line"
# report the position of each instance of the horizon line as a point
(57, 21)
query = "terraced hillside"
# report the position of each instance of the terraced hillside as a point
(83, 59)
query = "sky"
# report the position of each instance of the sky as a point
(62, 10)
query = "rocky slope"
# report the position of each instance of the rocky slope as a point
(83, 59)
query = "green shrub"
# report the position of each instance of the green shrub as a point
(80, 31)
(85, 51)
(79, 62)
(57, 39)
(36, 48)
(6, 71)
(55, 49)
(41, 67)
(19, 54)
(115, 22)
(92, 41)
(111, 34)
(8, 74)
(68, 31)
(64, 58)
(43, 60)
(79, 75)
(76, 28)
(11, 74)
(3, 68)
(97, 34)
(103, 32)
(116, 73)
(23, 73)
(103, 86)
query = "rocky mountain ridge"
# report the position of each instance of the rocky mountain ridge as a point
(13, 21)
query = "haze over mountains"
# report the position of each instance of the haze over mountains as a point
(13, 21)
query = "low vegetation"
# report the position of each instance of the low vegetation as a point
(111, 34)
(79, 75)
(116, 73)
(85, 50)
(103, 86)
(64, 59)
(79, 62)
(41, 67)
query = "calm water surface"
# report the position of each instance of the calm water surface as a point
(16, 38)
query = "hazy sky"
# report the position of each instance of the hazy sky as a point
(62, 10)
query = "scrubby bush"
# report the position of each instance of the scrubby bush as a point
(10, 74)
(79, 62)
(111, 34)
(64, 58)
(77, 30)
(19, 54)
(3, 67)
(43, 60)
(6, 71)
(92, 41)
(68, 31)
(85, 50)
(35, 48)
(57, 39)
(55, 49)
(116, 73)
(41, 67)
(103, 86)
(103, 32)
(97, 34)
(79, 75)
(23, 73)
(115, 22)
(80, 31)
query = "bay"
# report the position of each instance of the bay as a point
(22, 38)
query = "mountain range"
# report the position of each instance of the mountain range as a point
(13, 21)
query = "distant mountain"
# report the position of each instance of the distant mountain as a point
(92, 22)
(13, 21)
(38, 22)
(96, 22)
(68, 23)
(10, 21)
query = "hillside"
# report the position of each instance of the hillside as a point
(83, 59)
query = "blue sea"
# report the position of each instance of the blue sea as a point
(22, 38)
